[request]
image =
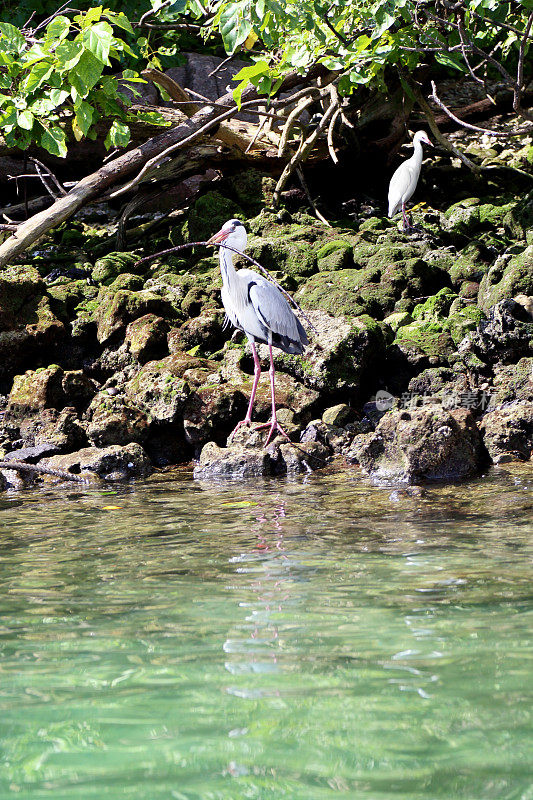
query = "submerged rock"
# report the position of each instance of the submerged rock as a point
(112, 463)
(423, 444)
(232, 462)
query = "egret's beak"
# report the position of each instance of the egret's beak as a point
(221, 236)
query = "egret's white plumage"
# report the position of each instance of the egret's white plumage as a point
(257, 307)
(403, 182)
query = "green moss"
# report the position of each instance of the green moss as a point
(207, 216)
(111, 266)
(398, 319)
(506, 282)
(436, 307)
(430, 338)
(127, 281)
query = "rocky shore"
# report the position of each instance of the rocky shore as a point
(421, 367)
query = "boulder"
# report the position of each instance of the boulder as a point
(146, 337)
(505, 337)
(117, 462)
(112, 420)
(508, 432)
(35, 390)
(423, 444)
(234, 461)
(507, 278)
(115, 310)
(342, 354)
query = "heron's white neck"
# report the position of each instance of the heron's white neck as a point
(227, 269)
(418, 154)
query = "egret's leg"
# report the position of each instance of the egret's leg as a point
(274, 424)
(406, 225)
(257, 374)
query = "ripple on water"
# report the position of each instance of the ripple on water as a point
(267, 640)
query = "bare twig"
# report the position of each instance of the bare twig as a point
(464, 124)
(221, 65)
(49, 173)
(8, 227)
(265, 272)
(152, 11)
(428, 113)
(289, 124)
(318, 215)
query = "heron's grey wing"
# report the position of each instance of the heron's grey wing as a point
(275, 313)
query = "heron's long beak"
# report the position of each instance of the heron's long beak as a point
(221, 236)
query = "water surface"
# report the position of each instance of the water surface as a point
(308, 640)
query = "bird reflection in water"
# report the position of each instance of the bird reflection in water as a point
(267, 556)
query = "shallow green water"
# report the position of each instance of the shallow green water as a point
(333, 640)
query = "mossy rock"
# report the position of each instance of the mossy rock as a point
(333, 255)
(252, 190)
(335, 292)
(66, 297)
(208, 215)
(436, 307)
(462, 319)
(463, 217)
(398, 319)
(431, 339)
(295, 257)
(127, 281)
(518, 222)
(115, 310)
(111, 266)
(493, 214)
(468, 265)
(20, 291)
(505, 283)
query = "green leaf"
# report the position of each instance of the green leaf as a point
(120, 20)
(11, 39)
(233, 28)
(451, 60)
(84, 116)
(119, 135)
(69, 53)
(58, 96)
(38, 74)
(86, 73)
(246, 73)
(98, 40)
(25, 120)
(53, 140)
(57, 29)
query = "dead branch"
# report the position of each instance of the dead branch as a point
(301, 154)
(20, 466)
(93, 185)
(464, 124)
(442, 140)
(292, 117)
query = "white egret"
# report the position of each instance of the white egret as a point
(257, 307)
(403, 182)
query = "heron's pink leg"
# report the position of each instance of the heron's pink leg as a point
(274, 424)
(257, 374)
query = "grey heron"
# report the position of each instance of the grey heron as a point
(257, 307)
(403, 182)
